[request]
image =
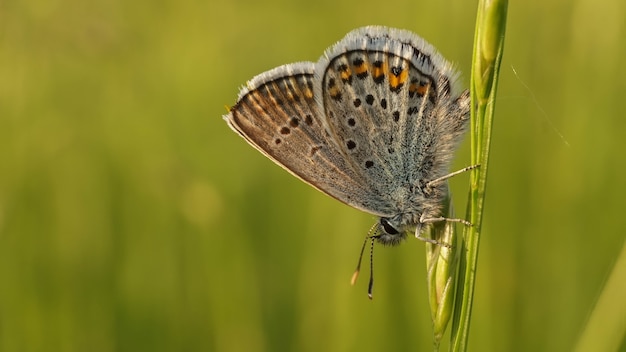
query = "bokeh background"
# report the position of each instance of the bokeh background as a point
(133, 219)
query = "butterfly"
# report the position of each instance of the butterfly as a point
(374, 123)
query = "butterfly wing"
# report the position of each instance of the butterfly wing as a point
(278, 115)
(395, 109)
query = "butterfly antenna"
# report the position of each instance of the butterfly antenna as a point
(358, 266)
(370, 286)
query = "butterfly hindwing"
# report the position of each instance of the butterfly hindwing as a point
(386, 94)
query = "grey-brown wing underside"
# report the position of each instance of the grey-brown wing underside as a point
(395, 106)
(278, 115)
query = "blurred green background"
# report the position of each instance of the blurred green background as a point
(133, 219)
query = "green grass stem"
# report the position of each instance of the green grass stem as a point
(488, 50)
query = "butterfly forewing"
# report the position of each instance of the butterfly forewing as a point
(278, 115)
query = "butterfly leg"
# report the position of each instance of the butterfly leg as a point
(441, 218)
(445, 177)
(418, 230)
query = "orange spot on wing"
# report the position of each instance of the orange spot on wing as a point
(360, 69)
(422, 89)
(419, 88)
(396, 81)
(334, 92)
(379, 71)
(346, 74)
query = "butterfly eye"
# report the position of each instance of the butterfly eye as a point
(387, 227)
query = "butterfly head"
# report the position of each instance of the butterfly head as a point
(389, 232)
